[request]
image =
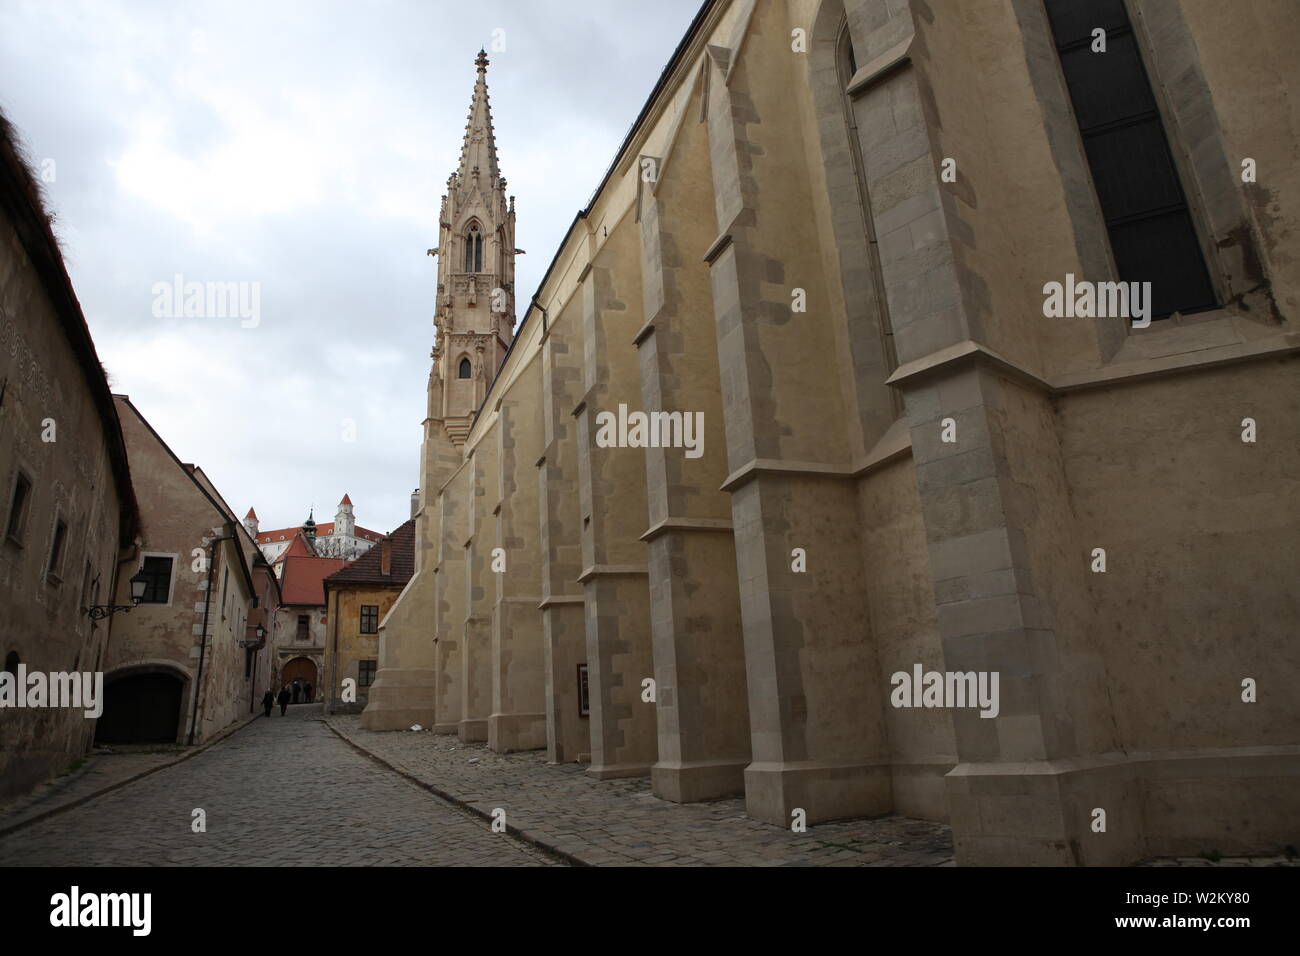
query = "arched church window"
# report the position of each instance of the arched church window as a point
(473, 249)
(464, 370)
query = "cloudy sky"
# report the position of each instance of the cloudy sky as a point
(304, 147)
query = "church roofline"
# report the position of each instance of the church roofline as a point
(674, 61)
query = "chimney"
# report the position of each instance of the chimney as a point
(386, 557)
(415, 502)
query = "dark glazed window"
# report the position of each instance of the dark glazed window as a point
(370, 619)
(473, 249)
(1151, 231)
(56, 549)
(18, 508)
(366, 672)
(159, 573)
(464, 370)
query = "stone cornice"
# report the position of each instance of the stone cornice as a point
(559, 599)
(613, 570)
(947, 359)
(686, 524)
(878, 69)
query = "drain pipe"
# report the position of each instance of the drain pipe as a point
(203, 641)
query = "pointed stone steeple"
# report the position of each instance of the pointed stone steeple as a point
(475, 313)
(478, 152)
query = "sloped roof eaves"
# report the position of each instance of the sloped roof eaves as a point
(20, 199)
(304, 580)
(365, 569)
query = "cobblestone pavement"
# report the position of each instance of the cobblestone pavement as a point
(620, 822)
(283, 791)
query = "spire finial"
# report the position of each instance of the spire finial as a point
(481, 61)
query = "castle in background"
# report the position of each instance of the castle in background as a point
(343, 538)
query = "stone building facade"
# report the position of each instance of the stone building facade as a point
(186, 662)
(357, 597)
(65, 487)
(831, 238)
(302, 621)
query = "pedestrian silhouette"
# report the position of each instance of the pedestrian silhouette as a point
(268, 702)
(284, 700)
(297, 690)
(307, 689)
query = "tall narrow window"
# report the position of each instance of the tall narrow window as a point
(370, 619)
(56, 550)
(18, 508)
(366, 671)
(464, 370)
(1151, 231)
(304, 626)
(473, 249)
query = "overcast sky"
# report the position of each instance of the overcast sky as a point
(304, 147)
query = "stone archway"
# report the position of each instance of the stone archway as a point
(301, 671)
(142, 706)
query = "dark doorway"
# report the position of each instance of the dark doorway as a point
(301, 670)
(141, 708)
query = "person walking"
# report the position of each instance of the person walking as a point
(268, 702)
(297, 689)
(284, 700)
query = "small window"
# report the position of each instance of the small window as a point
(304, 627)
(18, 508)
(584, 692)
(85, 586)
(370, 619)
(158, 571)
(56, 549)
(464, 370)
(366, 672)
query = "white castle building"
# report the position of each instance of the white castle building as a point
(343, 538)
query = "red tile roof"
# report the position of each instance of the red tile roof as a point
(298, 548)
(366, 569)
(303, 581)
(346, 500)
(251, 514)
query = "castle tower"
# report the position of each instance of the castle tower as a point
(475, 313)
(309, 527)
(345, 523)
(250, 522)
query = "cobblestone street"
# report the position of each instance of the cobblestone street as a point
(284, 791)
(620, 822)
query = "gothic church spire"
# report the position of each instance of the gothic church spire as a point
(479, 149)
